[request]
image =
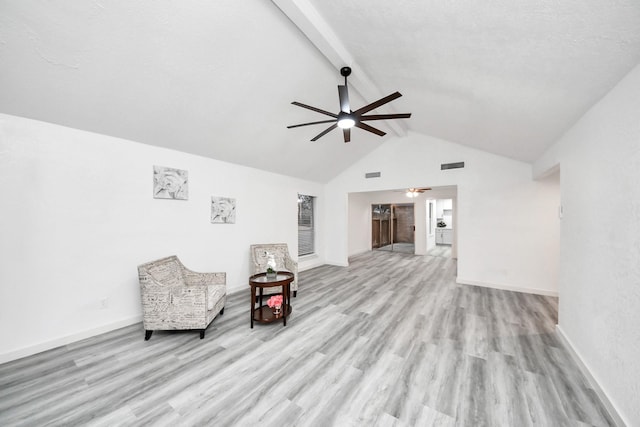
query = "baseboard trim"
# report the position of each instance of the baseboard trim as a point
(68, 339)
(507, 287)
(309, 262)
(337, 264)
(609, 406)
(364, 251)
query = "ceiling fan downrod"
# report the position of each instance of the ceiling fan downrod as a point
(346, 72)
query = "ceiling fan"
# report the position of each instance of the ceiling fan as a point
(346, 118)
(415, 192)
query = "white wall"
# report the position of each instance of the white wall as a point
(599, 280)
(359, 227)
(77, 216)
(507, 226)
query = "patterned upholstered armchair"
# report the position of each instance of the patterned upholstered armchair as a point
(174, 297)
(280, 251)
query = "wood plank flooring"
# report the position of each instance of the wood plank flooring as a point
(390, 340)
(441, 250)
(407, 248)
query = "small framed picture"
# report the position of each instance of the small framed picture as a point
(223, 210)
(170, 183)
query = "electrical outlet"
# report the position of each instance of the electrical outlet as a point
(104, 303)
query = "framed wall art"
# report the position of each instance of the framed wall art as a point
(223, 210)
(170, 183)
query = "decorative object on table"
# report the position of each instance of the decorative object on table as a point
(223, 210)
(170, 183)
(176, 298)
(284, 262)
(442, 224)
(275, 303)
(271, 266)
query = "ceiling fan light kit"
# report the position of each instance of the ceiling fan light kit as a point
(346, 118)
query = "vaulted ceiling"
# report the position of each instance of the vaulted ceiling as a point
(216, 78)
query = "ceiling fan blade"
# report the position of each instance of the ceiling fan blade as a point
(378, 103)
(385, 116)
(343, 94)
(370, 128)
(310, 123)
(324, 132)
(317, 110)
(347, 134)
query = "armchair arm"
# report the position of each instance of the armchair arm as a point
(291, 265)
(192, 278)
(255, 263)
(255, 267)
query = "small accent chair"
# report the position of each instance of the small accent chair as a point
(174, 297)
(280, 251)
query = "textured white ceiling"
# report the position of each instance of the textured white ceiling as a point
(217, 78)
(504, 76)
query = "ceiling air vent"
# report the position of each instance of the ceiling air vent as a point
(446, 166)
(372, 175)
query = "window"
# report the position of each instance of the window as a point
(306, 230)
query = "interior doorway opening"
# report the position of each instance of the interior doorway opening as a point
(393, 227)
(440, 239)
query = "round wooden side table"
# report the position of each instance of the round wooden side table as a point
(263, 313)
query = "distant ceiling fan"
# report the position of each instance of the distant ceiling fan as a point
(346, 119)
(415, 192)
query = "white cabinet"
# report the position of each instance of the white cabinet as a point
(444, 207)
(444, 236)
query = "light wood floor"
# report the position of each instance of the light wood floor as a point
(389, 341)
(407, 248)
(441, 251)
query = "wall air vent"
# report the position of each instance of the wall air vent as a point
(372, 175)
(446, 166)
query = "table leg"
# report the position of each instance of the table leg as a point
(253, 303)
(285, 297)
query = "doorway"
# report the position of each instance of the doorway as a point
(440, 242)
(393, 227)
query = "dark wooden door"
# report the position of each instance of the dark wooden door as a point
(375, 233)
(380, 225)
(403, 224)
(385, 233)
